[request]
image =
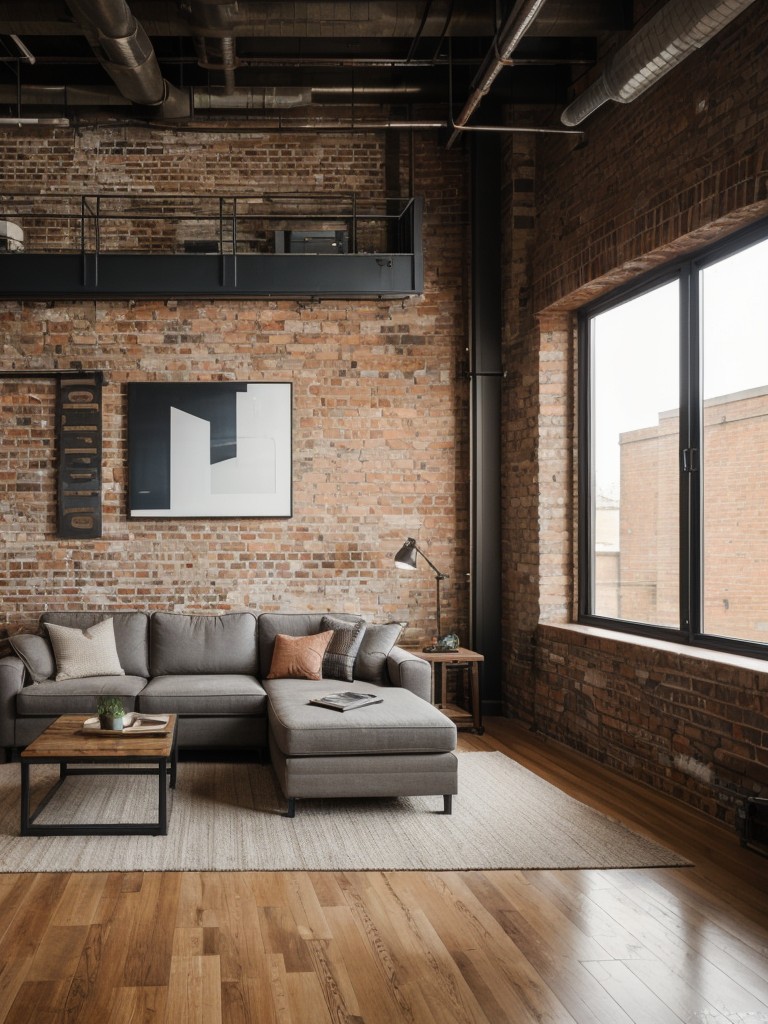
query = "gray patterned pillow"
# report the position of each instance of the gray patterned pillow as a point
(85, 652)
(339, 658)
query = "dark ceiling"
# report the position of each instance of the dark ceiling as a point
(304, 61)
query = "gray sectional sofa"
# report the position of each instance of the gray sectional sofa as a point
(212, 671)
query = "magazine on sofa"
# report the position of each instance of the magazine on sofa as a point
(346, 701)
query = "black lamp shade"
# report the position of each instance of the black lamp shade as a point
(406, 556)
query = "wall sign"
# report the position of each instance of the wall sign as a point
(209, 449)
(78, 429)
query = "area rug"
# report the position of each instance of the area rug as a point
(229, 817)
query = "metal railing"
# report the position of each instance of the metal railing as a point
(94, 223)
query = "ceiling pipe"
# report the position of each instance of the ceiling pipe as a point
(661, 44)
(256, 98)
(505, 42)
(502, 129)
(26, 53)
(123, 49)
(68, 96)
(214, 25)
(317, 127)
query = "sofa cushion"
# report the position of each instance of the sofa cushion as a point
(82, 653)
(204, 694)
(402, 723)
(131, 634)
(289, 624)
(339, 659)
(378, 641)
(77, 696)
(183, 644)
(36, 653)
(299, 657)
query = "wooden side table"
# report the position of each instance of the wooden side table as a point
(463, 658)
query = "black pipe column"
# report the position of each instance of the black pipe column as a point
(485, 376)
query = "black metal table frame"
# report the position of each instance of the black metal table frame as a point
(163, 767)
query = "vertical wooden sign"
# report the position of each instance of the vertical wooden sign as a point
(78, 430)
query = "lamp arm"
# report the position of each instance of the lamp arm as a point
(432, 566)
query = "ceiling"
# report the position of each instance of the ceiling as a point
(300, 62)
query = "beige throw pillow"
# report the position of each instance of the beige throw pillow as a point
(299, 657)
(85, 652)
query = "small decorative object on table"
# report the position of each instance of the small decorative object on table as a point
(346, 701)
(111, 712)
(443, 644)
(134, 724)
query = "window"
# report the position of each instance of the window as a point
(674, 452)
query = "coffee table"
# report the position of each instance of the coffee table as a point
(79, 752)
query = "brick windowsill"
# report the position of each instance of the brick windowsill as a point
(725, 658)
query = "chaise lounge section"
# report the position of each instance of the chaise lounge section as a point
(401, 747)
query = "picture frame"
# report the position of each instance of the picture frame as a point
(210, 449)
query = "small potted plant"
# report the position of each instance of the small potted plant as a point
(110, 711)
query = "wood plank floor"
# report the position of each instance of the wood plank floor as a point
(657, 946)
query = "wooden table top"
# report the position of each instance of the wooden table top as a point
(460, 654)
(66, 738)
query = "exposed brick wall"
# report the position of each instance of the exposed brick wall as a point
(692, 727)
(520, 395)
(683, 165)
(380, 422)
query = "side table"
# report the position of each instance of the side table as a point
(464, 658)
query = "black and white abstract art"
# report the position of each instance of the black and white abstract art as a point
(209, 449)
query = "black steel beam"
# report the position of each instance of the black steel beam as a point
(485, 372)
(115, 275)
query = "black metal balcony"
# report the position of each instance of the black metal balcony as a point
(158, 246)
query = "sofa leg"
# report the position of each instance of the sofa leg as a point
(291, 812)
(447, 803)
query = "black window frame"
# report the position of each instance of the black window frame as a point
(686, 271)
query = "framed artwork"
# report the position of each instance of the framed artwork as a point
(209, 449)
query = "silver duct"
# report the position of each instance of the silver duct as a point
(126, 54)
(66, 96)
(214, 23)
(264, 98)
(661, 44)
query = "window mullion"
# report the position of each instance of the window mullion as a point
(690, 454)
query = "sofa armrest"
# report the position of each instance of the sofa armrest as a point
(410, 672)
(12, 673)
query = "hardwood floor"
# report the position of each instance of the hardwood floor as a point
(656, 946)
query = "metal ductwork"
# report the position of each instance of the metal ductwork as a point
(666, 40)
(257, 98)
(214, 24)
(126, 54)
(68, 96)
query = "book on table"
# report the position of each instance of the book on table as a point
(347, 700)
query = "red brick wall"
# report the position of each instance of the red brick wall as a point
(692, 727)
(380, 416)
(519, 482)
(683, 165)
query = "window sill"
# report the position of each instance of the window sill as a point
(700, 654)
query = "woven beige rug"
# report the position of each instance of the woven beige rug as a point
(229, 817)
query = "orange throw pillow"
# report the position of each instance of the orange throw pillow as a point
(299, 657)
